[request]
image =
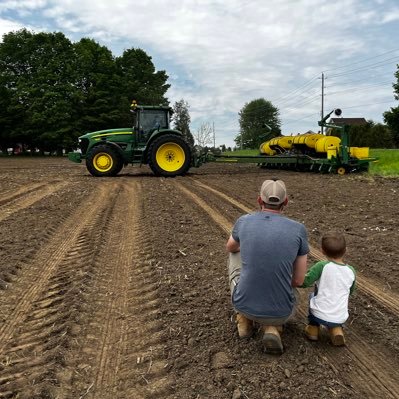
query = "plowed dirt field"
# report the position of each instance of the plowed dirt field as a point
(114, 288)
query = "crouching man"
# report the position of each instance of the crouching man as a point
(268, 257)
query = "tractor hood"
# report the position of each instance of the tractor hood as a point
(98, 135)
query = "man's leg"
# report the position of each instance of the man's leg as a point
(234, 269)
(245, 326)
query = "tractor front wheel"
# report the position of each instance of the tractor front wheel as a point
(169, 156)
(104, 160)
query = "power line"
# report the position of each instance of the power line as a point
(364, 68)
(281, 98)
(304, 88)
(354, 89)
(295, 90)
(300, 119)
(359, 62)
(308, 101)
(365, 79)
(366, 105)
(309, 93)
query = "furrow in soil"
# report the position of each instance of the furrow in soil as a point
(12, 195)
(120, 343)
(45, 321)
(26, 197)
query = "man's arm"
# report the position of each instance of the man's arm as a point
(232, 245)
(299, 270)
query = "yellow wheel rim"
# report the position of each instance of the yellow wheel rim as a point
(170, 157)
(103, 162)
(341, 171)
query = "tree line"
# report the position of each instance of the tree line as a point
(53, 90)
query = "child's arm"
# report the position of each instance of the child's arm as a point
(353, 286)
(313, 274)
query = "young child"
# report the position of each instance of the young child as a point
(335, 281)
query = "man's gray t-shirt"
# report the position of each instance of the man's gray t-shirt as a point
(269, 244)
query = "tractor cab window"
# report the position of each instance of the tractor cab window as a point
(151, 120)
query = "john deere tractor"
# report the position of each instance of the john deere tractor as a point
(150, 141)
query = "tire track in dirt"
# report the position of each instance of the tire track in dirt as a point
(48, 258)
(126, 304)
(12, 195)
(373, 372)
(90, 330)
(122, 334)
(41, 321)
(142, 372)
(26, 196)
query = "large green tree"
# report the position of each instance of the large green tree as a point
(139, 79)
(253, 118)
(37, 73)
(181, 118)
(391, 117)
(101, 102)
(6, 119)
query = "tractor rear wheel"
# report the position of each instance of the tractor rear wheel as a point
(169, 156)
(104, 160)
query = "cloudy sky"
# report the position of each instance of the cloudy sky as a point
(221, 54)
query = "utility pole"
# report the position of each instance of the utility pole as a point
(322, 99)
(214, 138)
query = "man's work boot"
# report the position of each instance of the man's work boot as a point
(245, 327)
(272, 340)
(312, 332)
(337, 336)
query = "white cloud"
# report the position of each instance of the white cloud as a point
(7, 26)
(390, 16)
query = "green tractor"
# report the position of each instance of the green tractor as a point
(150, 141)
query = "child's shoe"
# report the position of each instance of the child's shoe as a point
(312, 332)
(337, 336)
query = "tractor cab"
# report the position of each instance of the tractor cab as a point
(148, 119)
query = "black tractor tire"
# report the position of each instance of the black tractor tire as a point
(104, 160)
(169, 156)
